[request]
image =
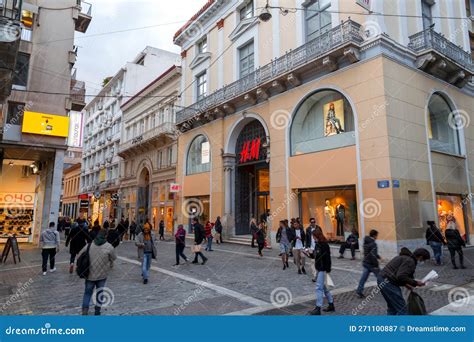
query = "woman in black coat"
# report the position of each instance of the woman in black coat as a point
(78, 237)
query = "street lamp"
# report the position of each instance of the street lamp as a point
(265, 15)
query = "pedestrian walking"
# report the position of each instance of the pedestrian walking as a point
(133, 229)
(455, 243)
(101, 259)
(260, 237)
(310, 243)
(146, 249)
(253, 231)
(161, 230)
(370, 263)
(180, 238)
(298, 247)
(95, 230)
(113, 237)
(67, 226)
(218, 228)
(209, 237)
(352, 242)
(199, 236)
(121, 229)
(76, 240)
(400, 272)
(322, 263)
(284, 237)
(435, 239)
(49, 241)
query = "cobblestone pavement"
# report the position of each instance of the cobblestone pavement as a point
(234, 281)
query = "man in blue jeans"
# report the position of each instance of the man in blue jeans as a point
(435, 239)
(101, 258)
(399, 272)
(370, 263)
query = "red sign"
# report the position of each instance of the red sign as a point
(250, 151)
(174, 188)
(84, 196)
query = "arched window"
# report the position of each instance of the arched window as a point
(444, 136)
(323, 121)
(199, 156)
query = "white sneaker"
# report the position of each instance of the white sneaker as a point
(44, 273)
(53, 270)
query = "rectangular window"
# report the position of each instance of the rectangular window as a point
(20, 76)
(246, 59)
(15, 113)
(170, 156)
(246, 11)
(317, 18)
(426, 14)
(160, 159)
(414, 207)
(201, 86)
(202, 45)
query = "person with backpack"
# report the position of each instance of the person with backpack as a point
(199, 236)
(435, 239)
(455, 242)
(94, 264)
(180, 238)
(77, 239)
(370, 263)
(49, 241)
(400, 271)
(146, 248)
(322, 263)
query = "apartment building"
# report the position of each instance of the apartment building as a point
(148, 150)
(100, 173)
(71, 203)
(353, 112)
(38, 94)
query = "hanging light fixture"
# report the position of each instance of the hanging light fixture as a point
(265, 15)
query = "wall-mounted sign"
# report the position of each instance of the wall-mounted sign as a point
(23, 198)
(75, 129)
(84, 203)
(83, 196)
(383, 184)
(205, 152)
(250, 150)
(115, 197)
(102, 175)
(45, 124)
(364, 3)
(395, 183)
(174, 188)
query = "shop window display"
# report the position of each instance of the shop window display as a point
(198, 158)
(335, 210)
(16, 216)
(451, 213)
(323, 121)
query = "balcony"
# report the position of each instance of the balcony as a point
(323, 54)
(84, 16)
(437, 56)
(147, 139)
(78, 95)
(10, 34)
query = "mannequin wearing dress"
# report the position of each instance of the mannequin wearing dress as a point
(328, 216)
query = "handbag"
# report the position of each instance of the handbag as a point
(83, 264)
(416, 304)
(196, 248)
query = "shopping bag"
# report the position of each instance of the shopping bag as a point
(329, 281)
(416, 304)
(196, 248)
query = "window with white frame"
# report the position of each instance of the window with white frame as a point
(246, 11)
(201, 86)
(246, 59)
(317, 18)
(202, 45)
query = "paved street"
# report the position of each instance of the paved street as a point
(234, 281)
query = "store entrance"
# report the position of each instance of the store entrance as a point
(143, 197)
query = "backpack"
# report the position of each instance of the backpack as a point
(83, 263)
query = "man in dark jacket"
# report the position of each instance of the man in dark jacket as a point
(399, 272)
(78, 237)
(352, 242)
(370, 262)
(95, 229)
(455, 244)
(435, 239)
(199, 236)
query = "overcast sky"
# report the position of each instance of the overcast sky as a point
(102, 52)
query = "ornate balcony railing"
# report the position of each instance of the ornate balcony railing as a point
(429, 39)
(348, 32)
(164, 128)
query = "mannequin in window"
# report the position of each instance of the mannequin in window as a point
(328, 217)
(340, 216)
(333, 124)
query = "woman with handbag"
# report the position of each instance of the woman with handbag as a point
(146, 249)
(322, 263)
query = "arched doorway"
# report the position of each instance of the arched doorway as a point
(143, 195)
(252, 176)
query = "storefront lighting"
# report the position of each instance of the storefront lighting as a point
(10, 164)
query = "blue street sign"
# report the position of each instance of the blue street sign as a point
(383, 184)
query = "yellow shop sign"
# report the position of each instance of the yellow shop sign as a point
(45, 124)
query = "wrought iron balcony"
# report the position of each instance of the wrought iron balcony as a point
(147, 139)
(335, 43)
(441, 58)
